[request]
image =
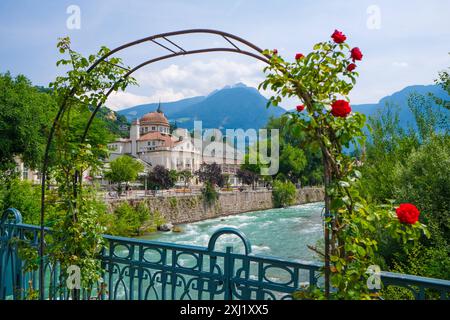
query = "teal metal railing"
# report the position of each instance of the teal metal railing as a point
(141, 270)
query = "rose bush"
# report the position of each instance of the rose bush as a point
(322, 80)
(407, 213)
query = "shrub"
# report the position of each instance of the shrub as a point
(209, 193)
(23, 196)
(283, 193)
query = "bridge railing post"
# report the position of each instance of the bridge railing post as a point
(228, 273)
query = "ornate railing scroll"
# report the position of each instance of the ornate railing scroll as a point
(137, 269)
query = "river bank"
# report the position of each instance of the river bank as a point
(192, 208)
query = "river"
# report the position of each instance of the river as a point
(283, 233)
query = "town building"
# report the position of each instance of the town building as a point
(151, 141)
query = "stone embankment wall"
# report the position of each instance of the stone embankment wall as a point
(190, 208)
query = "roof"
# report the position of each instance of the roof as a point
(156, 118)
(156, 135)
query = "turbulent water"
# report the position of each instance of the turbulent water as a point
(283, 233)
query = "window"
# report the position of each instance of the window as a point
(153, 128)
(25, 173)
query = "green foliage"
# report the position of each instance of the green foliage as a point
(173, 202)
(425, 180)
(413, 166)
(114, 121)
(23, 196)
(283, 193)
(77, 228)
(79, 241)
(299, 162)
(25, 118)
(123, 169)
(318, 80)
(209, 193)
(127, 220)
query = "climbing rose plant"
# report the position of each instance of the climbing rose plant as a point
(321, 81)
(77, 232)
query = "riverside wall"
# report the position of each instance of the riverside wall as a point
(191, 208)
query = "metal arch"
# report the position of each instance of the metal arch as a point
(258, 54)
(229, 230)
(145, 63)
(223, 34)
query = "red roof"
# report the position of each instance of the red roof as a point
(156, 118)
(168, 142)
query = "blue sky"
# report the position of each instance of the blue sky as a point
(404, 42)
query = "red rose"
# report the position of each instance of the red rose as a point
(340, 108)
(351, 67)
(338, 36)
(356, 54)
(407, 213)
(298, 56)
(275, 51)
(300, 108)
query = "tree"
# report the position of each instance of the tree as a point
(186, 176)
(211, 173)
(25, 118)
(123, 169)
(292, 162)
(247, 177)
(412, 166)
(299, 160)
(161, 178)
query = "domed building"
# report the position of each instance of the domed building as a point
(154, 121)
(152, 142)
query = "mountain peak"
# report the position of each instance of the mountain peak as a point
(236, 85)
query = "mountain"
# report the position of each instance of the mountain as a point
(168, 107)
(239, 106)
(400, 100)
(236, 106)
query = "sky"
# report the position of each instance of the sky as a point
(404, 42)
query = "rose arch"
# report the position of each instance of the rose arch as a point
(164, 40)
(321, 80)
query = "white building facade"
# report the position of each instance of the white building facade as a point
(151, 141)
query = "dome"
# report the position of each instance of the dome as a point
(154, 118)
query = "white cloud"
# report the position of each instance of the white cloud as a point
(121, 100)
(400, 64)
(197, 78)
